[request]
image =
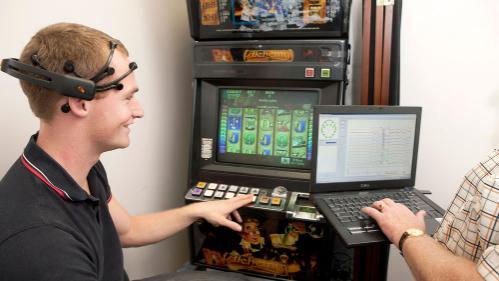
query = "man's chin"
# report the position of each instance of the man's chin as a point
(117, 146)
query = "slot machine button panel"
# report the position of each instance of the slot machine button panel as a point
(272, 199)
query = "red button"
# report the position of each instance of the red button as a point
(309, 72)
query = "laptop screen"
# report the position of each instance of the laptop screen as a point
(362, 146)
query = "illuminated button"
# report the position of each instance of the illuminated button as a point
(264, 200)
(255, 190)
(219, 194)
(222, 187)
(309, 72)
(197, 191)
(208, 193)
(243, 189)
(325, 72)
(212, 186)
(280, 191)
(201, 184)
(276, 201)
(229, 195)
(233, 188)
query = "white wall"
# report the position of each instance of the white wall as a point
(151, 174)
(449, 66)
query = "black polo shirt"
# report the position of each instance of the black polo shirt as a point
(51, 229)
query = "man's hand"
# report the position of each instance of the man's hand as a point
(394, 218)
(219, 212)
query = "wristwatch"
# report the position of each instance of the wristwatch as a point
(409, 233)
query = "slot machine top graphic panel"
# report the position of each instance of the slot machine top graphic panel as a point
(246, 19)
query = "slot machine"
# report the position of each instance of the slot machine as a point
(259, 67)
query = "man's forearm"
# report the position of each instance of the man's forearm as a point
(152, 228)
(428, 260)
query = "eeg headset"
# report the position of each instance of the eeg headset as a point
(68, 85)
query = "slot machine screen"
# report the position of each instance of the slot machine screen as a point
(266, 127)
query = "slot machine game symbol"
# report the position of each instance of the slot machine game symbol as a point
(267, 120)
(249, 123)
(300, 125)
(265, 139)
(249, 139)
(282, 125)
(299, 141)
(234, 123)
(234, 137)
(282, 141)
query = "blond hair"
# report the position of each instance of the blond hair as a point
(54, 45)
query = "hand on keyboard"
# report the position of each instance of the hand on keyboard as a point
(394, 218)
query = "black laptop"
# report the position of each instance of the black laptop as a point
(362, 154)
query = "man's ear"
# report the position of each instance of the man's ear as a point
(78, 107)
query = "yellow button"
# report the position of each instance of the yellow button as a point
(201, 184)
(276, 201)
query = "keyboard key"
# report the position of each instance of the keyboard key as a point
(212, 186)
(222, 187)
(219, 194)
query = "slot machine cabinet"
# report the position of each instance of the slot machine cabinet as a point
(252, 134)
(259, 65)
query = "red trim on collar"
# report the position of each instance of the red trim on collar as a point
(42, 178)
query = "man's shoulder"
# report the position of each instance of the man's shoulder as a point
(13, 172)
(26, 203)
(489, 168)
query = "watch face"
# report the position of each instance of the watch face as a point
(414, 232)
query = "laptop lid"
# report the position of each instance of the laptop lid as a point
(364, 147)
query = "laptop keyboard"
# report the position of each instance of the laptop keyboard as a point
(347, 207)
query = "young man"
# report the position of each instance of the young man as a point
(58, 218)
(465, 246)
